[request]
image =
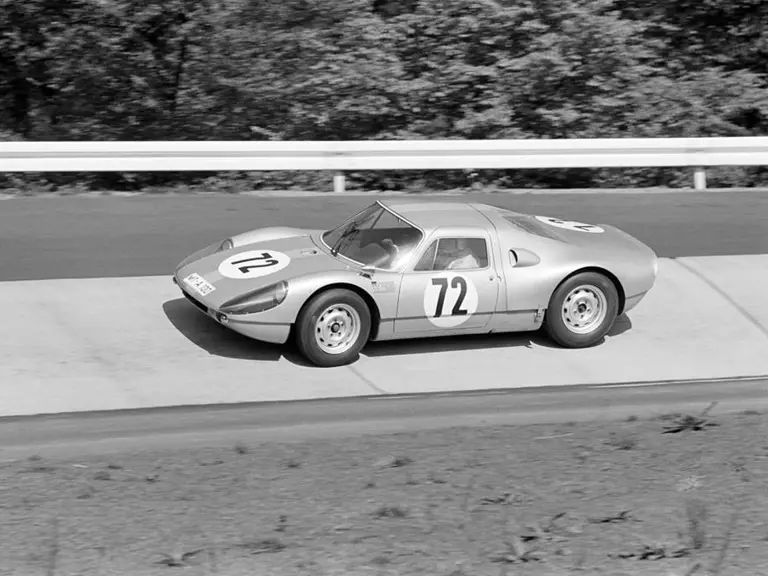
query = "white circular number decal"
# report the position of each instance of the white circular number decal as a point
(449, 300)
(253, 264)
(571, 225)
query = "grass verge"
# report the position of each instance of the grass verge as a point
(681, 495)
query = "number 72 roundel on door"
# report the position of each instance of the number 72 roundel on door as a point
(450, 300)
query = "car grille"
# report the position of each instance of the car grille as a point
(197, 303)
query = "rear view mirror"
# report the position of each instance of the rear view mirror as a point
(367, 271)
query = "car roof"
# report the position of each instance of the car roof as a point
(431, 215)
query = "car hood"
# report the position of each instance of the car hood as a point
(297, 256)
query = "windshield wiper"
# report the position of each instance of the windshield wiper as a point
(348, 231)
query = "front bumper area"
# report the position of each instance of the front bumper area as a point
(270, 332)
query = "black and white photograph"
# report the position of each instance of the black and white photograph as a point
(384, 288)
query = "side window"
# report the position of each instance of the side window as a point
(428, 259)
(455, 254)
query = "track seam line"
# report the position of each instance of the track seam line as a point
(367, 381)
(751, 319)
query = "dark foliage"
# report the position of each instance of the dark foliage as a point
(382, 69)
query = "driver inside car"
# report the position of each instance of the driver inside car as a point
(455, 254)
(398, 251)
(383, 252)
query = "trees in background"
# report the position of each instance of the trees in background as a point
(383, 69)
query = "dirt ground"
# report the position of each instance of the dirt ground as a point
(627, 498)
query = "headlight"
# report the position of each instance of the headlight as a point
(226, 245)
(257, 301)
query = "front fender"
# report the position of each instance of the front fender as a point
(198, 255)
(382, 301)
(304, 287)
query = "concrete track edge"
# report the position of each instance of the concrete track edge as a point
(134, 343)
(63, 435)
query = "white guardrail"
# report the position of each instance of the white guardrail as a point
(339, 156)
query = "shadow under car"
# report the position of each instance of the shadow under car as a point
(217, 340)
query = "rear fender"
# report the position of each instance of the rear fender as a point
(531, 288)
(603, 271)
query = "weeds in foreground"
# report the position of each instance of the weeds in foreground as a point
(394, 462)
(390, 512)
(55, 549)
(717, 565)
(690, 570)
(241, 448)
(688, 422)
(263, 546)
(180, 559)
(515, 549)
(539, 543)
(696, 514)
(522, 546)
(623, 441)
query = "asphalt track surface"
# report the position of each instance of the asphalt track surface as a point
(84, 237)
(100, 433)
(49, 238)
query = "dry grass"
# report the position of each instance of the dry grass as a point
(619, 499)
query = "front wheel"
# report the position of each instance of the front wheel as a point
(333, 327)
(582, 310)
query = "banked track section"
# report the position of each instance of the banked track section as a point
(121, 343)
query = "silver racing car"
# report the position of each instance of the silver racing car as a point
(402, 269)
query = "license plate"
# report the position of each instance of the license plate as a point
(199, 284)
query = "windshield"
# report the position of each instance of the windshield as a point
(374, 237)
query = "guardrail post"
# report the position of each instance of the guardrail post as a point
(700, 178)
(338, 182)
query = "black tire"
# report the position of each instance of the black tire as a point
(558, 327)
(308, 324)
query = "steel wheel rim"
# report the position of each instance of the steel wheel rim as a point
(337, 329)
(584, 309)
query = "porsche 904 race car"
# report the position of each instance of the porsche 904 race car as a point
(402, 269)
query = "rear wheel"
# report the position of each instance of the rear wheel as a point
(582, 310)
(333, 327)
